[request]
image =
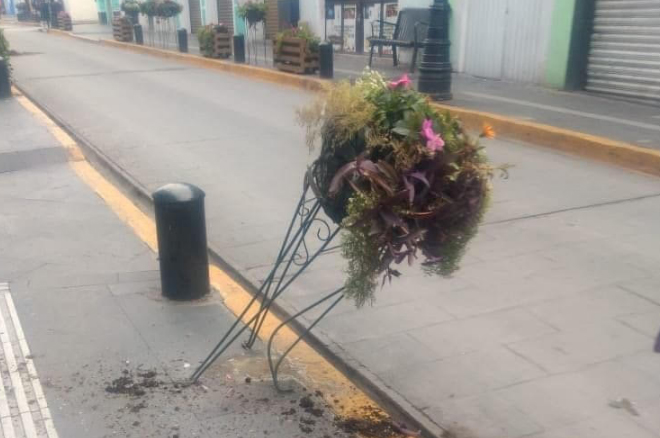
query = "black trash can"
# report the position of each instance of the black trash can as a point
(182, 249)
(239, 49)
(182, 37)
(326, 68)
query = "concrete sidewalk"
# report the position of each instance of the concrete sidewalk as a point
(626, 121)
(109, 351)
(552, 317)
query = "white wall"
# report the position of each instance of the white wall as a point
(312, 12)
(82, 10)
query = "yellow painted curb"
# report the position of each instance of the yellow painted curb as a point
(264, 74)
(312, 368)
(577, 143)
(585, 145)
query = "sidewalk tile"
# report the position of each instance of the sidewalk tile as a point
(429, 384)
(395, 351)
(602, 426)
(483, 416)
(480, 332)
(564, 399)
(376, 322)
(603, 303)
(581, 346)
(646, 323)
(648, 288)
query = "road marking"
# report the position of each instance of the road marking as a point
(11, 329)
(565, 111)
(32, 371)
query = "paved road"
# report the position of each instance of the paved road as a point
(628, 121)
(551, 318)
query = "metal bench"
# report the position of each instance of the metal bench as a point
(409, 31)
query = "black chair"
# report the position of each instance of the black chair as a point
(409, 31)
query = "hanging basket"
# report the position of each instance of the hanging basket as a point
(405, 181)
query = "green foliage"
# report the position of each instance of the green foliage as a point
(5, 52)
(403, 179)
(168, 8)
(206, 38)
(130, 6)
(148, 8)
(253, 11)
(303, 32)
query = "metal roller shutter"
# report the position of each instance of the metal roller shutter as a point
(226, 14)
(195, 15)
(624, 58)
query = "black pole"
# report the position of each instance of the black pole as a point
(435, 69)
(239, 49)
(183, 40)
(5, 82)
(139, 34)
(326, 69)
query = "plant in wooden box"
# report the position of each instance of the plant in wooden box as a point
(64, 21)
(214, 41)
(296, 50)
(132, 9)
(122, 29)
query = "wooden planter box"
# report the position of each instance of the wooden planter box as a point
(64, 23)
(295, 57)
(222, 44)
(122, 29)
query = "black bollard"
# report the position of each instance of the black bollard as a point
(5, 82)
(435, 69)
(183, 40)
(182, 250)
(239, 49)
(326, 68)
(139, 35)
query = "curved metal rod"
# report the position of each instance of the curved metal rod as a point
(267, 303)
(298, 239)
(275, 368)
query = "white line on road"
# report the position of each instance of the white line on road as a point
(16, 381)
(9, 319)
(32, 371)
(565, 111)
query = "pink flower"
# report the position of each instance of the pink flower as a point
(433, 141)
(404, 81)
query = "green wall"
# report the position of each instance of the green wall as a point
(560, 43)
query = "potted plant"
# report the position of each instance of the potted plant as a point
(5, 52)
(122, 29)
(214, 41)
(168, 9)
(64, 21)
(148, 8)
(296, 50)
(405, 181)
(253, 11)
(132, 9)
